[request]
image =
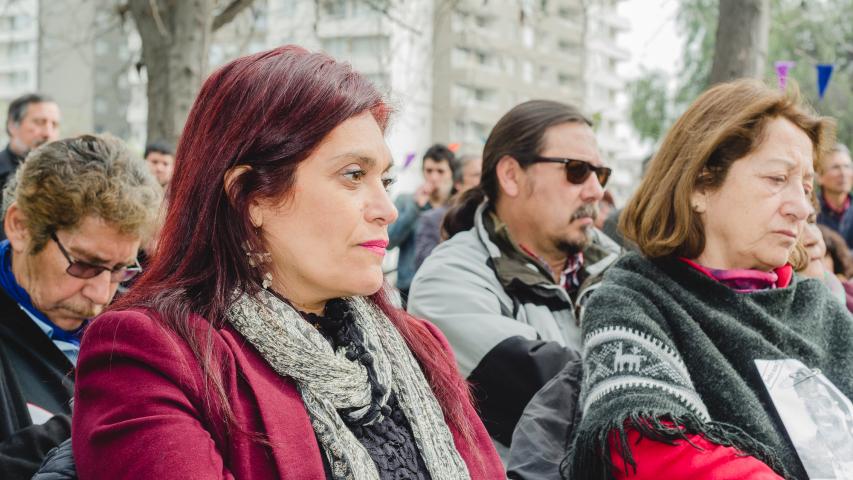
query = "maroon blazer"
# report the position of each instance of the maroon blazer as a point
(139, 412)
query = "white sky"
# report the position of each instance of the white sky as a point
(653, 40)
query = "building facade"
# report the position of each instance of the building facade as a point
(19, 33)
(450, 68)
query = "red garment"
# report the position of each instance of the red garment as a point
(657, 460)
(138, 411)
(744, 281)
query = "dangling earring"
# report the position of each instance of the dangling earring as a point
(258, 260)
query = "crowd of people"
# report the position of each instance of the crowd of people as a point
(220, 310)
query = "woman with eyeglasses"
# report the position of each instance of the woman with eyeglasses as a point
(260, 343)
(693, 348)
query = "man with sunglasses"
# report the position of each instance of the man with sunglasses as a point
(506, 287)
(75, 214)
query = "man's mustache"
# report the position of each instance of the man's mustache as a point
(589, 210)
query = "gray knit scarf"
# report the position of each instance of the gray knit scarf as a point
(329, 382)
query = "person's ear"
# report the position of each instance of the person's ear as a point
(231, 176)
(15, 226)
(12, 128)
(700, 194)
(699, 201)
(509, 173)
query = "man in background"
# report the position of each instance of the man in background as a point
(161, 161)
(437, 168)
(33, 119)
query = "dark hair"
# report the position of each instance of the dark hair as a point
(18, 107)
(267, 111)
(158, 147)
(440, 153)
(517, 134)
(836, 247)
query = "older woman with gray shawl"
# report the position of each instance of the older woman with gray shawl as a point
(696, 351)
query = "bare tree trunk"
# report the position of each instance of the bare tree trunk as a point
(741, 48)
(175, 42)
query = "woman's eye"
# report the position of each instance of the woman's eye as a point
(355, 175)
(387, 182)
(777, 179)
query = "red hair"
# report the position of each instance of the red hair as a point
(267, 111)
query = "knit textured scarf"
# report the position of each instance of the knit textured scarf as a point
(669, 351)
(331, 384)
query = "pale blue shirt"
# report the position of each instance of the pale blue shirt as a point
(70, 350)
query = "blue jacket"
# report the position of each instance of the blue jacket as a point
(402, 234)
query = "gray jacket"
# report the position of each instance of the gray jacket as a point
(511, 327)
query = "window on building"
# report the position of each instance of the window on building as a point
(484, 95)
(100, 106)
(336, 47)
(287, 7)
(527, 71)
(479, 131)
(567, 79)
(333, 8)
(461, 94)
(482, 21)
(568, 13)
(347, 47)
(567, 46)
(508, 65)
(361, 8)
(376, 44)
(16, 79)
(545, 74)
(527, 36)
(17, 50)
(459, 130)
(459, 56)
(381, 81)
(543, 39)
(459, 22)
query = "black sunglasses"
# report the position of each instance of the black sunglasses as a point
(80, 269)
(577, 171)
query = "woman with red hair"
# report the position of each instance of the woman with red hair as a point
(260, 342)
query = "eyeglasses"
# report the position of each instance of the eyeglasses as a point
(80, 269)
(577, 171)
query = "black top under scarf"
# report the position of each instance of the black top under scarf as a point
(390, 442)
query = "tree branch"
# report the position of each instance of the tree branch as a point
(228, 13)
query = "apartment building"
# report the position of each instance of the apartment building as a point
(18, 51)
(449, 67)
(491, 57)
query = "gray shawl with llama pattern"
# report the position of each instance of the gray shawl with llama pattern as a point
(669, 351)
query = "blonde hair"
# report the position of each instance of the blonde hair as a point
(723, 125)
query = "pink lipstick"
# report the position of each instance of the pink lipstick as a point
(376, 246)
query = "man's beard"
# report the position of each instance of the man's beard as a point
(574, 246)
